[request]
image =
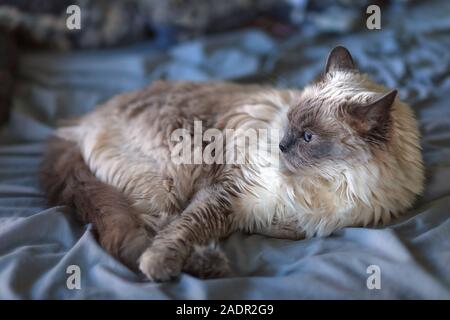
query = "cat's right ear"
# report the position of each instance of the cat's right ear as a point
(339, 59)
(372, 120)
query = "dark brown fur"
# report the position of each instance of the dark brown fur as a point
(67, 180)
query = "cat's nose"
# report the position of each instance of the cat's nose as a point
(283, 147)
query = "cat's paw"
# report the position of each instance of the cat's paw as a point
(207, 262)
(160, 265)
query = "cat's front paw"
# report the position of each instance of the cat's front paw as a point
(160, 265)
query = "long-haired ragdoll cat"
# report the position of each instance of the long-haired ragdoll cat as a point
(349, 156)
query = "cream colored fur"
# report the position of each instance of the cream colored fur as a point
(133, 154)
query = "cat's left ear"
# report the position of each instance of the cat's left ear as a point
(339, 59)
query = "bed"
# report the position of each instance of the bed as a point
(39, 243)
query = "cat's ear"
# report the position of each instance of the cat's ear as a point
(339, 59)
(373, 119)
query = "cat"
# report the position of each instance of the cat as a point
(349, 155)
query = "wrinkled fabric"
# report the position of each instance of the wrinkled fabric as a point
(37, 243)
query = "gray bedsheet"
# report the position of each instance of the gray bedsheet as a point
(37, 243)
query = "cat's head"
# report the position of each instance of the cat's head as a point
(341, 118)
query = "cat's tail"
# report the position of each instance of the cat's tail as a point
(67, 180)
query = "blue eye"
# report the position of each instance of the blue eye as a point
(307, 136)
